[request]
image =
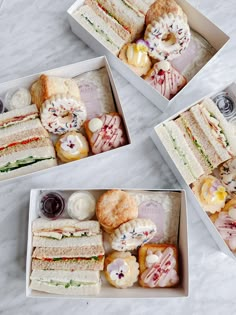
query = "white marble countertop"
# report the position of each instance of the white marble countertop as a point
(36, 36)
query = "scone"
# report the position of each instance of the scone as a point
(121, 269)
(47, 86)
(210, 193)
(136, 57)
(72, 146)
(115, 207)
(132, 234)
(105, 132)
(158, 265)
(225, 222)
(161, 7)
(165, 79)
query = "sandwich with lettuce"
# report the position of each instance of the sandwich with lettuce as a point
(25, 146)
(198, 140)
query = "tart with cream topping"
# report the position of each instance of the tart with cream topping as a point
(72, 146)
(210, 193)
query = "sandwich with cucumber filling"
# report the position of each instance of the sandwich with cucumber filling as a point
(129, 14)
(199, 140)
(66, 282)
(99, 29)
(114, 22)
(174, 141)
(25, 148)
(67, 244)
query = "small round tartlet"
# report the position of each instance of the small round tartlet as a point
(72, 146)
(121, 269)
(136, 57)
(210, 193)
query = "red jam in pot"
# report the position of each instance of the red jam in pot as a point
(52, 205)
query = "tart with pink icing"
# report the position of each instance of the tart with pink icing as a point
(105, 132)
(72, 146)
(158, 265)
(225, 222)
(165, 79)
(121, 269)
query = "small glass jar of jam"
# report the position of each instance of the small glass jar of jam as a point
(52, 205)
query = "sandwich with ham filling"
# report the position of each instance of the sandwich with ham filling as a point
(25, 146)
(67, 244)
(16, 116)
(199, 140)
(113, 22)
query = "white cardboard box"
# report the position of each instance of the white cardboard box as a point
(107, 291)
(231, 90)
(70, 71)
(197, 22)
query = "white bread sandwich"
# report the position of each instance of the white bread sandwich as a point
(200, 135)
(66, 282)
(182, 155)
(16, 116)
(113, 22)
(126, 17)
(70, 241)
(216, 128)
(210, 134)
(64, 228)
(129, 13)
(30, 158)
(96, 26)
(25, 146)
(139, 6)
(109, 20)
